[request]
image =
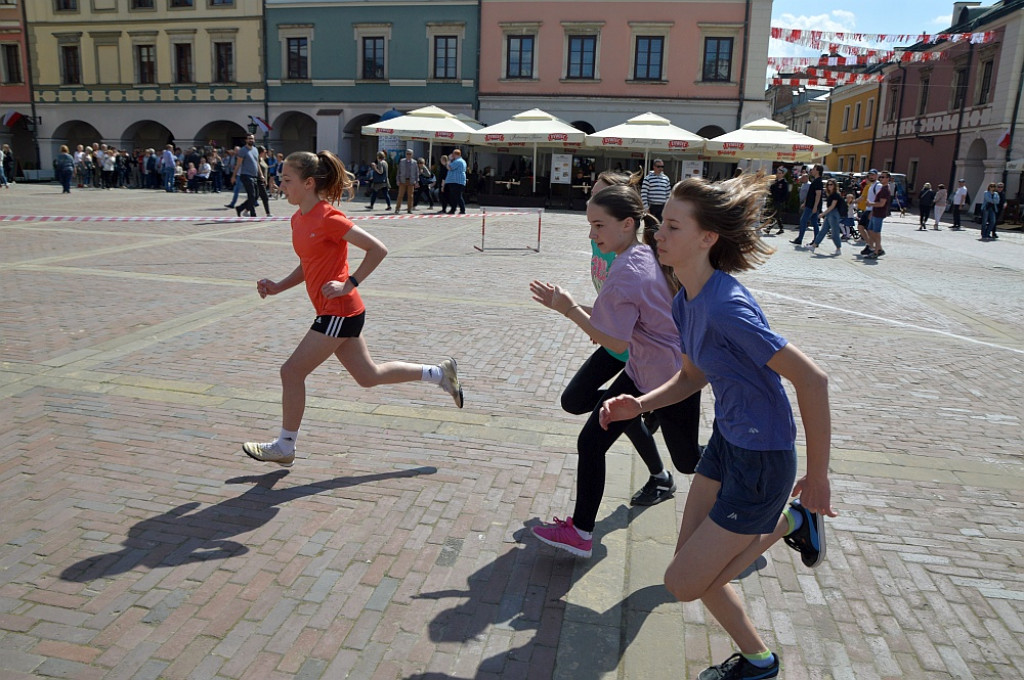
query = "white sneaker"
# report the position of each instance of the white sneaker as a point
(839, 251)
(450, 380)
(811, 248)
(269, 452)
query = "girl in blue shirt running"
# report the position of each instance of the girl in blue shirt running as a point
(737, 505)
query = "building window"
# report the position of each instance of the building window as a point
(180, 3)
(143, 4)
(650, 50)
(183, 63)
(959, 88)
(224, 62)
(869, 116)
(145, 64)
(894, 96)
(65, 5)
(582, 56)
(222, 3)
(298, 59)
(446, 57)
(717, 59)
(846, 117)
(922, 100)
(373, 58)
(70, 65)
(11, 64)
(856, 116)
(520, 56)
(842, 162)
(863, 163)
(985, 83)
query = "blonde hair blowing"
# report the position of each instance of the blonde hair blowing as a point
(733, 209)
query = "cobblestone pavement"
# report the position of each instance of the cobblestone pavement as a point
(139, 542)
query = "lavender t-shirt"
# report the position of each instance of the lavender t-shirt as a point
(635, 305)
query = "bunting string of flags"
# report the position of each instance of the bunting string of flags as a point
(823, 82)
(815, 76)
(805, 37)
(880, 56)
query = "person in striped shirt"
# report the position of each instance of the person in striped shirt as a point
(655, 189)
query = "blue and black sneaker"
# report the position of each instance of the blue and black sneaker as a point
(809, 539)
(738, 668)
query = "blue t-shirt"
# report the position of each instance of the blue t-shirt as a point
(456, 171)
(726, 335)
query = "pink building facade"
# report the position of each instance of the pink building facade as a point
(943, 120)
(595, 64)
(15, 92)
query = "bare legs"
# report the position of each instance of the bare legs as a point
(314, 349)
(708, 557)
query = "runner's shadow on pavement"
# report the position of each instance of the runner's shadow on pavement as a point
(183, 535)
(523, 590)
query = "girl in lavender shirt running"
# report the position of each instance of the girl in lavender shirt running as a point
(632, 311)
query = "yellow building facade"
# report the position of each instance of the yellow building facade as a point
(852, 118)
(192, 71)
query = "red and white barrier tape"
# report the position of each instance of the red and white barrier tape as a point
(354, 218)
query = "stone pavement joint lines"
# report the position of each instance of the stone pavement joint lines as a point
(139, 541)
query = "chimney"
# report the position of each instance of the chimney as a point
(959, 7)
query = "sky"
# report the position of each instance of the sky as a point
(899, 16)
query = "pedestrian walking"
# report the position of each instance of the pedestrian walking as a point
(961, 199)
(321, 235)
(925, 204)
(736, 506)
(834, 212)
(64, 165)
(631, 313)
(379, 181)
(941, 204)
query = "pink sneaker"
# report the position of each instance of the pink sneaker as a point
(562, 534)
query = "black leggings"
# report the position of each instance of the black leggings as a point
(679, 426)
(584, 393)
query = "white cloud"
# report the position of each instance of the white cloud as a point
(838, 21)
(943, 21)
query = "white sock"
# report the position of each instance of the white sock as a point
(585, 535)
(432, 374)
(286, 440)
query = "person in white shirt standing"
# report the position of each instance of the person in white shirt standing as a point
(959, 202)
(655, 189)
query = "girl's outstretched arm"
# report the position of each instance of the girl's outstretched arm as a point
(688, 380)
(267, 287)
(558, 299)
(811, 386)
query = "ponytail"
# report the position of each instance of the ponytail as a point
(327, 170)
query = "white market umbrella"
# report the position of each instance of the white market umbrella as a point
(647, 131)
(533, 127)
(425, 124)
(765, 140)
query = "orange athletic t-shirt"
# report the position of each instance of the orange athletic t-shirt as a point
(318, 238)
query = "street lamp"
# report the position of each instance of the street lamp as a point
(252, 126)
(917, 133)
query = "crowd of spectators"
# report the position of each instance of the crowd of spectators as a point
(196, 169)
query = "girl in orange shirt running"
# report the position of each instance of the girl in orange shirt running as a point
(320, 236)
